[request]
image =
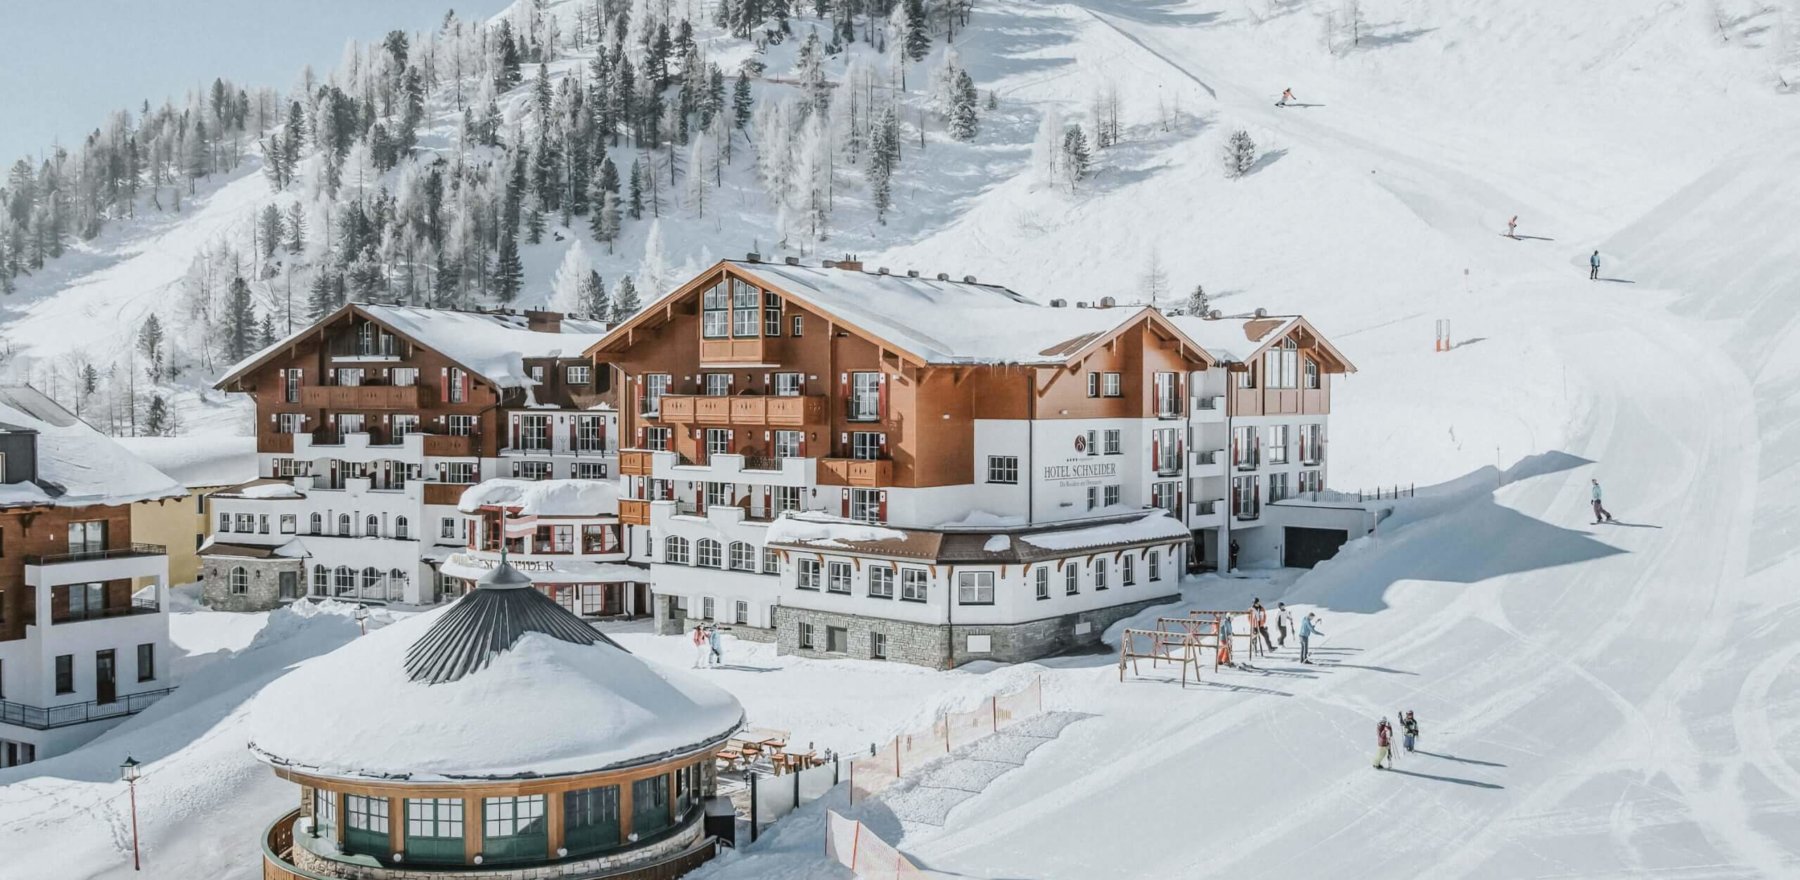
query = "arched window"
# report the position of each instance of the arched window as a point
(372, 525)
(321, 575)
(344, 524)
(396, 587)
(240, 581)
(743, 556)
(706, 553)
(345, 580)
(316, 525)
(675, 550)
(400, 528)
(371, 582)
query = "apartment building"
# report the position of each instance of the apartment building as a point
(1011, 454)
(84, 627)
(562, 534)
(372, 422)
(203, 465)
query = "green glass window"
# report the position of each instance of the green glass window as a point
(650, 806)
(324, 813)
(434, 830)
(366, 825)
(514, 829)
(591, 819)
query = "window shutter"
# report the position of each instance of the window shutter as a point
(1156, 450)
(700, 496)
(601, 431)
(884, 447)
(574, 421)
(802, 444)
(640, 436)
(444, 382)
(1180, 448)
(846, 503)
(731, 442)
(844, 445)
(881, 398)
(881, 512)
(515, 431)
(768, 509)
(844, 389)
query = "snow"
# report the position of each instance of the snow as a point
(269, 490)
(819, 530)
(198, 462)
(545, 706)
(77, 466)
(1156, 526)
(543, 497)
(997, 544)
(1229, 338)
(560, 571)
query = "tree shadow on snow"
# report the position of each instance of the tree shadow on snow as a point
(1376, 39)
(1266, 159)
(1155, 12)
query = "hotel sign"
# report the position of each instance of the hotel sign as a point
(1076, 473)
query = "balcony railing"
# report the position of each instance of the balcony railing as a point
(1168, 466)
(1206, 508)
(449, 444)
(137, 606)
(366, 397)
(444, 493)
(89, 555)
(635, 462)
(634, 511)
(1248, 462)
(689, 508)
(383, 347)
(743, 409)
(867, 473)
(49, 717)
(1208, 456)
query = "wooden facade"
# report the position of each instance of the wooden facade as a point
(27, 534)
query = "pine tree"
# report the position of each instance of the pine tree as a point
(571, 275)
(269, 231)
(635, 207)
(1199, 304)
(240, 321)
(321, 297)
(594, 299)
(609, 176)
(509, 274)
(918, 40)
(606, 226)
(296, 229)
(625, 300)
(150, 345)
(1075, 156)
(158, 422)
(266, 334)
(1240, 154)
(963, 118)
(742, 104)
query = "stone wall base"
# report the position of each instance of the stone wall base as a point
(264, 587)
(934, 645)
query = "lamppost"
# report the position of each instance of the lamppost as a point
(128, 771)
(362, 619)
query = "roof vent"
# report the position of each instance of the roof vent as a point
(1262, 313)
(792, 261)
(1214, 315)
(912, 273)
(1107, 302)
(882, 270)
(829, 264)
(943, 276)
(1059, 304)
(753, 257)
(968, 279)
(1081, 304)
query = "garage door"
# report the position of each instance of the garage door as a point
(1305, 548)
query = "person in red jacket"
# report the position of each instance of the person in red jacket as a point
(1384, 742)
(1259, 620)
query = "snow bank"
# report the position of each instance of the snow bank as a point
(544, 497)
(997, 544)
(820, 530)
(77, 466)
(197, 462)
(269, 490)
(561, 571)
(1156, 526)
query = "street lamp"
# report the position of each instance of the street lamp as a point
(362, 619)
(128, 771)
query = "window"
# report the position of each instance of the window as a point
(225, 522)
(1166, 450)
(83, 600)
(321, 580)
(1278, 487)
(838, 579)
(743, 556)
(537, 373)
(707, 553)
(806, 635)
(290, 386)
(718, 441)
(1099, 575)
(591, 819)
(532, 470)
(1155, 566)
(514, 828)
(65, 673)
(590, 434)
(1043, 582)
(1281, 365)
(717, 384)
(1114, 442)
(1246, 498)
(796, 330)
(656, 439)
(675, 550)
(913, 584)
(1071, 579)
(881, 582)
(865, 397)
(1246, 450)
(1278, 444)
(458, 472)
(771, 315)
(1003, 469)
(719, 494)
(785, 498)
(1167, 495)
(588, 470)
(325, 813)
(1093, 443)
(877, 645)
(1312, 443)
(865, 445)
(578, 374)
(746, 317)
(146, 661)
(706, 608)
(315, 524)
(1093, 497)
(246, 523)
(460, 426)
(289, 523)
(533, 432)
(771, 561)
(434, 830)
(1168, 394)
(403, 424)
(740, 613)
(1110, 385)
(655, 385)
(649, 806)
(447, 528)
(344, 580)
(837, 640)
(283, 467)
(1246, 377)
(372, 526)
(366, 824)
(1093, 384)
(806, 574)
(865, 505)
(1127, 570)
(788, 444)
(405, 377)
(1111, 495)
(262, 524)
(974, 588)
(790, 384)
(290, 423)
(715, 314)
(239, 579)
(1311, 481)
(1311, 378)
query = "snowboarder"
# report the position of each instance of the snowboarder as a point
(1286, 96)
(1234, 555)
(1384, 740)
(1259, 618)
(1409, 727)
(700, 644)
(1594, 267)
(1224, 640)
(1309, 627)
(715, 657)
(1512, 227)
(1601, 514)
(1284, 621)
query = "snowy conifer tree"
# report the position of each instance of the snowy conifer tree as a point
(1240, 154)
(1198, 303)
(158, 420)
(1075, 156)
(150, 345)
(606, 224)
(625, 300)
(268, 230)
(594, 299)
(240, 321)
(918, 38)
(1047, 149)
(509, 275)
(963, 116)
(566, 287)
(884, 154)
(653, 269)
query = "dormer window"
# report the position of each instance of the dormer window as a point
(715, 313)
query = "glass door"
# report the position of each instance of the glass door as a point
(105, 681)
(87, 537)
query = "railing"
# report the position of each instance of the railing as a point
(1208, 456)
(50, 717)
(763, 463)
(869, 473)
(1207, 402)
(384, 347)
(449, 444)
(276, 443)
(635, 462)
(444, 493)
(1383, 493)
(1248, 462)
(1206, 508)
(744, 409)
(358, 397)
(135, 549)
(689, 508)
(137, 606)
(1168, 466)
(634, 511)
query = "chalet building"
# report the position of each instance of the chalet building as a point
(562, 534)
(371, 423)
(950, 412)
(84, 627)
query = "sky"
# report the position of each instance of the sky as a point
(65, 65)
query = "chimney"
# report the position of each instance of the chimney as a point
(543, 322)
(943, 276)
(792, 261)
(753, 257)
(1262, 313)
(850, 265)
(1059, 304)
(968, 279)
(829, 264)
(1107, 302)
(912, 273)
(882, 271)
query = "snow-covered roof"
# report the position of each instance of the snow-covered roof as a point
(820, 530)
(492, 345)
(261, 487)
(537, 703)
(1156, 526)
(946, 321)
(1234, 337)
(543, 497)
(198, 462)
(77, 466)
(561, 571)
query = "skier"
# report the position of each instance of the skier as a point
(715, 657)
(1309, 626)
(1384, 740)
(1286, 96)
(700, 644)
(1601, 514)
(1512, 227)
(1224, 640)
(1594, 267)
(1409, 727)
(1259, 618)
(1284, 621)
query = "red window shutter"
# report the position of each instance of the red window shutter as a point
(731, 440)
(1180, 448)
(668, 490)
(846, 503)
(601, 426)
(444, 383)
(640, 394)
(884, 446)
(881, 512)
(802, 444)
(881, 397)
(844, 444)
(844, 389)
(1156, 450)
(765, 499)
(468, 388)
(700, 495)
(573, 430)
(640, 436)
(699, 446)
(515, 431)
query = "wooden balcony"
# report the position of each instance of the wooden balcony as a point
(366, 397)
(635, 462)
(712, 410)
(744, 410)
(444, 493)
(731, 351)
(281, 444)
(634, 512)
(449, 444)
(876, 474)
(677, 408)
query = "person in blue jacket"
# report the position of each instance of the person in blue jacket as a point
(1308, 628)
(1594, 267)
(715, 656)
(1601, 514)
